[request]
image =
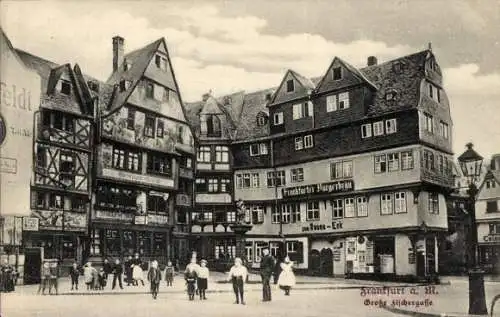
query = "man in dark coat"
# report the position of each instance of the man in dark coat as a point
(266, 271)
(107, 267)
(128, 270)
(117, 274)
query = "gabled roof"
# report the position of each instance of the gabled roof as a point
(490, 174)
(253, 103)
(349, 67)
(303, 81)
(140, 59)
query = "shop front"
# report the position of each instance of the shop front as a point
(489, 252)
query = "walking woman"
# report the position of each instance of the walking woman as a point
(287, 279)
(45, 281)
(238, 275)
(154, 277)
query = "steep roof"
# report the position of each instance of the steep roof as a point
(304, 81)
(253, 103)
(140, 60)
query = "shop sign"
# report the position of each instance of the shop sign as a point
(74, 221)
(113, 215)
(30, 224)
(140, 220)
(492, 238)
(318, 189)
(335, 225)
(138, 178)
(157, 219)
(11, 230)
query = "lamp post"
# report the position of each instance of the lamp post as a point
(470, 164)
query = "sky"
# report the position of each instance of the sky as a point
(228, 46)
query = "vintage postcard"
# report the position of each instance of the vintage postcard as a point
(250, 158)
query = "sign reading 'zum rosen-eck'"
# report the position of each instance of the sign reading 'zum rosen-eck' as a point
(317, 189)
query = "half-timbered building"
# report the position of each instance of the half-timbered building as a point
(144, 159)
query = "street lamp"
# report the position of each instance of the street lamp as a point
(470, 164)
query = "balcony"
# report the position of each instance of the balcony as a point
(435, 177)
(183, 200)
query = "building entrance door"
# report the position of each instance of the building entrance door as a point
(32, 265)
(326, 262)
(314, 262)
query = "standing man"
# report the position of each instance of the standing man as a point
(107, 268)
(128, 270)
(266, 271)
(117, 274)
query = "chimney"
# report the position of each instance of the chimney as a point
(118, 52)
(372, 61)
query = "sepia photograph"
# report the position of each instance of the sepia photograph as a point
(250, 158)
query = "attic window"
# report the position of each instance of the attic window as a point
(65, 87)
(261, 119)
(397, 67)
(290, 85)
(161, 62)
(391, 95)
(337, 73)
(127, 65)
(93, 85)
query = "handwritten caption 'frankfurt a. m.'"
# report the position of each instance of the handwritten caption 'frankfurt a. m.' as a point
(399, 297)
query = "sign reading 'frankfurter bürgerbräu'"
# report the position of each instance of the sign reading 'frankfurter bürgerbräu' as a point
(318, 189)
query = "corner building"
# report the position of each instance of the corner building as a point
(348, 174)
(144, 160)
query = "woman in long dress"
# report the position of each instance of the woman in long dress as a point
(137, 274)
(286, 279)
(87, 275)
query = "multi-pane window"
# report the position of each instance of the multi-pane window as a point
(343, 100)
(444, 129)
(249, 251)
(400, 202)
(64, 87)
(247, 180)
(225, 184)
(55, 201)
(157, 204)
(428, 123)
(490, 183)
(285, 214)
(95, 242)
(131, 119)
(434, 92)
(380, 163)
(213, 185)
(362, 206)
(114, 197)
(366, 130)
(126, 159)
(440, 163)
(213, 126)
(149, 127)
(312, 210)
(290, 85)
(221, 154)
(299, 143)
(340, 170)
(390, 126)
(149, 86)
(297, 175)
(433, 203)
(337, 208)
(161, 62)
(275, 214)
(278, 118)
(159, 163)
(331, 103)
(308, 141)
(255, 180)
(160, 128)
(386, 204)
(258, 149)
(407, 160)
(66, 167)
(428, 160)
(276, 179)
(257, 212)
(301, 110)
(393, 161)
(204, 154)
(378, 128)
(201, 185)
(231, 216)
(349, 210)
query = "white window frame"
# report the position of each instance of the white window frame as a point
(343, 100)
(263, 148)
(393, 162)
(378, 161)
(433, 203)
(308, 141)
(391, 126)
(256, 147)
(331, 103)
(255, 180)
(286, 214)
(246, 180)
(221, 154)
(428, 123)
(204, 156)
(312, 211)
(362, 206)
(278, 118)
(275, 214)
(299, 143)
(386, 204)
(378, 128)
(297, 175)
(239, 180)
(406, 160)
(349, 208)
(366, 130)
(400, 203)
(444, 129)
(337, 208)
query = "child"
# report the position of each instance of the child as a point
(74, 272)
(238, 275)
(87, 275)
(137, 274)
(169, 273)
(45, 278)
(286, 279)
(154, 277)
(202, 279)
(102, 279)
(190, 277)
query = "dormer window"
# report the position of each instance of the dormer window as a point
(434, 92)
(125, 84)
(261, 119)
(65, 87)
(161, 62)
(127, 65)
(337, 73)
(397, 67)
(390, 95)
(290, 85)
(213, 126)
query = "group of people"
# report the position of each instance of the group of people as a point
(8, 276)
(196, 277)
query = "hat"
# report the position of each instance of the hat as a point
(204, 261)
(287, 260)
